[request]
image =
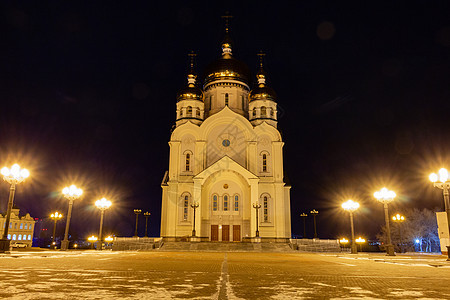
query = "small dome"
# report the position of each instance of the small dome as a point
(190, 93)
(262, 91)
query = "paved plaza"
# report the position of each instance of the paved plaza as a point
(215, 275)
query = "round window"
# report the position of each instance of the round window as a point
(226, 143)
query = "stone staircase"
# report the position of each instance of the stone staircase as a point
(315, 245)
(136, 243)
(225, 247)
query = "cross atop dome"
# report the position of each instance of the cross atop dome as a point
(226, 44)
(227, 17)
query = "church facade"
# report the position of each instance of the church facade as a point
(226, 159)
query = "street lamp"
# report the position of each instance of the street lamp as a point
(343, 242)
(399, 219)
(109, 240)
(385, 196)
(103, 205)
(55, 216)
(441, 181)
(303, 215)
(70, 193)
(360, 241)
(351, 206)
(146, 215)
(194, 207)
(92, 239)
(257, 206)
(137, 212)
(314, 213)
(13, 176)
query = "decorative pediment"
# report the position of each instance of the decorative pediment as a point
(225, 164)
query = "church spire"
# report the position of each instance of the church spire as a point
(191, 74)
(261, 75)
(227, 43)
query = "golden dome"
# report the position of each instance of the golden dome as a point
(262, 91)
(191, 92)
(227, 67)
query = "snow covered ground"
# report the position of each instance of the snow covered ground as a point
(188, 275)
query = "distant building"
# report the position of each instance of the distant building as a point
(21, 228)
(226, 154)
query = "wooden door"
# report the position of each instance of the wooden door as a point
(236, 233)
(225, 233)
(214, 233)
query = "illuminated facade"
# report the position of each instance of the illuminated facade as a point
(20, 228)
(226, 155)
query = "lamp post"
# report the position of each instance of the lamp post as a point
(442, 183)
(146, 215)
(303, 215)
(55, 216)
(385, 196)
(360, 241)
(109, 241)
(13, 176)
(70, 193)
(102, 204)
(257, 206)
(137, 212)
(398, 218)
(92, 239)
(351, 206)
(194, 207)
(314, 213)
(343, 242)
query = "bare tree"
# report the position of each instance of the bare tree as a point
(420, 226)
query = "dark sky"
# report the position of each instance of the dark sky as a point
(88, 94)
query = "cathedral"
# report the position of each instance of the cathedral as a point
(225, 180)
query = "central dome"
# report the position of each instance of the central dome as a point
(227, 68)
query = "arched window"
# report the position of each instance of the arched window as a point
(215, 203)
(271, 112)
(266, 208)
(225, 203)
(263, 111)
(181, 112)
(236, 203)
(10, 225)
(29, 237)
(14, 237)
(226, 99)
(9, 236)
(21, 225)
(26, 226)
(15, 225)
(197, 112)
(264, 162)
(188, 161)
(254, 112)
(20, 237)
(189, 111)
(185, 207)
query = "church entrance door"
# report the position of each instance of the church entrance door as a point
(225, 233)
(214, 233)
(236, 233)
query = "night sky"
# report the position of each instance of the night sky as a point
(88, 94)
